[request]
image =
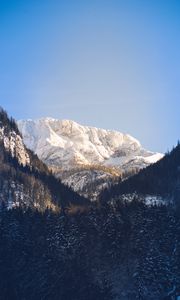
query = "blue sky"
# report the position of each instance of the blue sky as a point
(111, 64)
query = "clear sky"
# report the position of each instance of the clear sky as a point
(113, 64)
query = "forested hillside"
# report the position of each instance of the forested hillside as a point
(160, 179)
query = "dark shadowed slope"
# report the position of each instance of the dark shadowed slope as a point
(160, 179)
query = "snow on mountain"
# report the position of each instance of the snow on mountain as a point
(65, 145)
(68, 144)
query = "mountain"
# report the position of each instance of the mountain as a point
(159, 181)
(24, 179)
(84, 157)
(107, 250)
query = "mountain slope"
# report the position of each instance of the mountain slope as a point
(161, 179)
(82, 155)
(24, 179)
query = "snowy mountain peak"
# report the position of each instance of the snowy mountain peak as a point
(69, 148)
(66, 142)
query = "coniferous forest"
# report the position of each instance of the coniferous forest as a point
(130, 251)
